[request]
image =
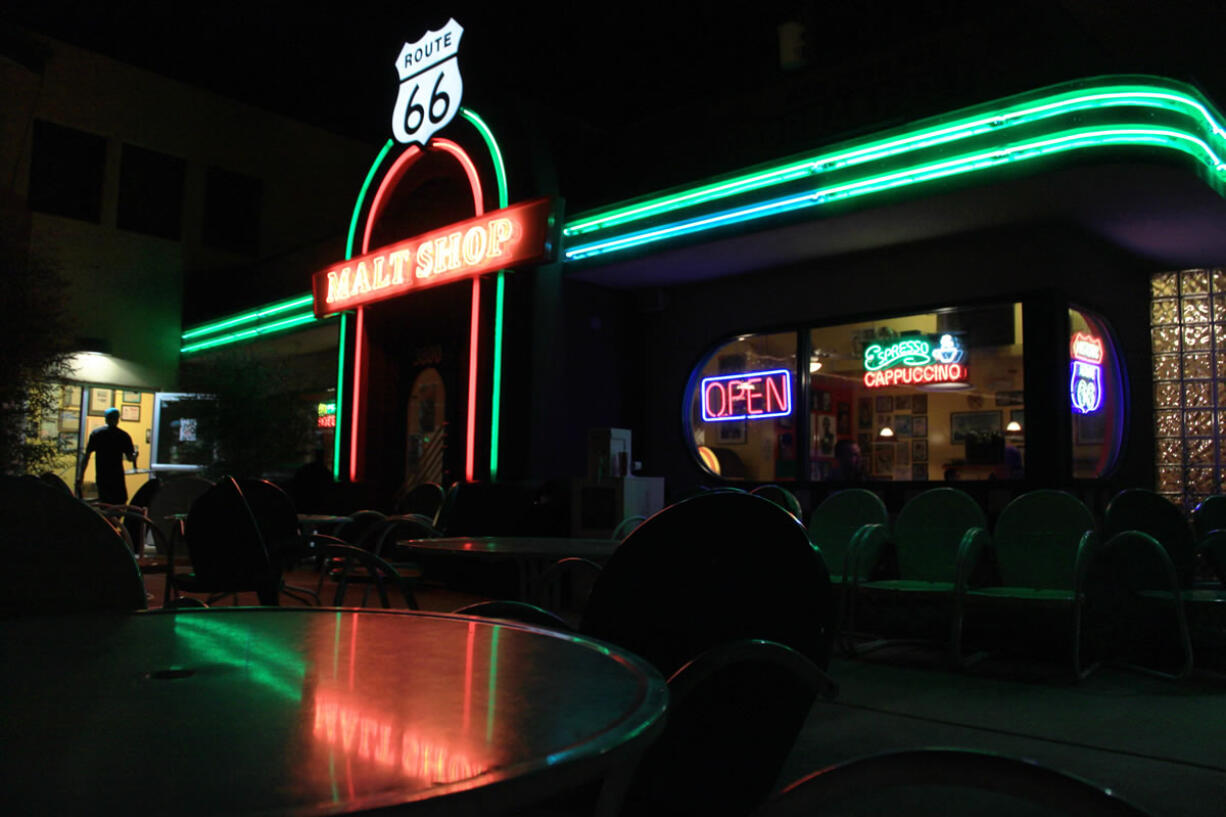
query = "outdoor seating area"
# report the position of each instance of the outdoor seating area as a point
(1060, 662)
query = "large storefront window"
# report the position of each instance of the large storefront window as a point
(936, 396)
(1189, 381)
(1096, 396)
(742, 409)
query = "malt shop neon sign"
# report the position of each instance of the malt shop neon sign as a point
(496, 240)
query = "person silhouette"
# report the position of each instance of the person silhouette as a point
(112, 444)
(848, 462)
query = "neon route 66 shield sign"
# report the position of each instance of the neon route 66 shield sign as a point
(430, 85)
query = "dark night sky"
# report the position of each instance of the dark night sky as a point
(601, 70)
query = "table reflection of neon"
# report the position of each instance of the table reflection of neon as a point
(215, 638)
(358, 731)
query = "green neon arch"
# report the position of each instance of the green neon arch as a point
(1106, 112)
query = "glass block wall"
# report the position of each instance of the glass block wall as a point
(1188, 331)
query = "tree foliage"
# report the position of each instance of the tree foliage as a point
(36, 359)
(247, 415)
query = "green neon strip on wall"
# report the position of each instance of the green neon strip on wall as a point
(340, 398)
(496, 395)
(998, 117)
(1060, 143)
(357, 207)
(500, 170)
(500, 176)
(247, 334)
(248, 317)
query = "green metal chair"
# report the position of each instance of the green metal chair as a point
(930, 532)
(1144, 573)
(1209, 527)
(782, 497)
(1146, 578)
(835, 524)
(834, 528)
(1043, 546)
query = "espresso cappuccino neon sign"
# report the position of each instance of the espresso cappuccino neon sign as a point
(914, 361)
(747, 396)
(503, 238)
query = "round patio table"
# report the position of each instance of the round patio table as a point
(527, 552)
(312, 711)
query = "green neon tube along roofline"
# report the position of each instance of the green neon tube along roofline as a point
(1146, 112)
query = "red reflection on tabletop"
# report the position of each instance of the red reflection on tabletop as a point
(370, 735)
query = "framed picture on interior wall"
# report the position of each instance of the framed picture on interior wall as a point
(843, 419)
(919, 425)
(919, 451)
(919, 404)
(902, 402)
(885, 403)
(1010, 398)
(962, 423)
(67, 442)
(864, 412)
(919, 471)
(824, 435)
(883, 459)
(70, 420)
(129, 414)
(974, 401)
(902, 455)
(902, 425)
(131, 397)
(100, 400)
(731, 432)
(865, 441)
(70, 397)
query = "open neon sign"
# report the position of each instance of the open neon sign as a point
(747, 396)
(914, 361)
(1086, 378)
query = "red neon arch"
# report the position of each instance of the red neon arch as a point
(393, 176)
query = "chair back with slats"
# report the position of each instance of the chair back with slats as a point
(60, 555)
(733, 717)
(225, 546)
(716, 567)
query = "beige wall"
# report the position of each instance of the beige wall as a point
(127, 287)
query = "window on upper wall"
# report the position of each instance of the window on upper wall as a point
(232, 205)
(742, 418)
(932, 396)
(151, 192)
(67, 167)
(1096, 396)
